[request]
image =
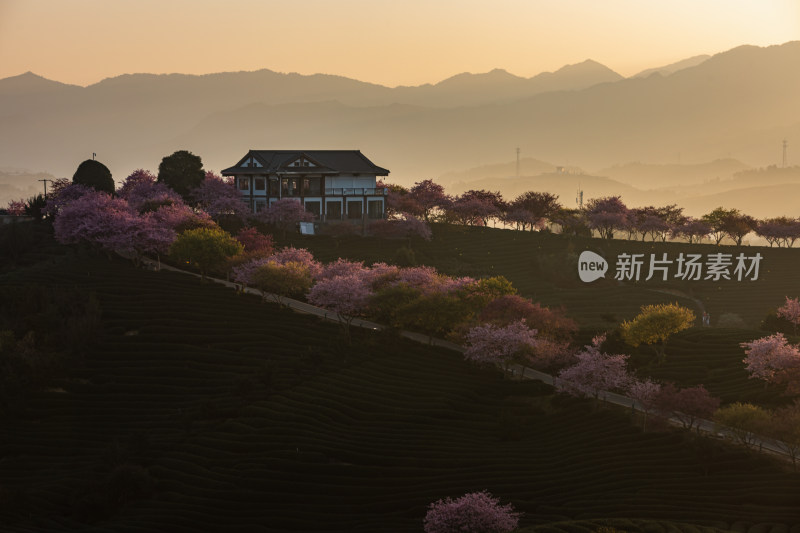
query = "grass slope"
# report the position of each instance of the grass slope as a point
(199, 410)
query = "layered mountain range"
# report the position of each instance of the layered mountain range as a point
(738, 104)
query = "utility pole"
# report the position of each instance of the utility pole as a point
(517, 161)
(785, 144)
(44, 182)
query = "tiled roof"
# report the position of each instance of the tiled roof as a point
(337, 161)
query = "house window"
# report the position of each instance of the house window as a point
(261, 205)
(333, 210)
(274, 188)
(375, 209)
(290, 187)
(314, 208)
(244, 184)
(260, 184)
(354, 209)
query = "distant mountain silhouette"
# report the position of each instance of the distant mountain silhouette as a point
(666, 70)
(674, 174)
(738, 104)
(527, 167)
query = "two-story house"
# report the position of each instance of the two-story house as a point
(331, 184)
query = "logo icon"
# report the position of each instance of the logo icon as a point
(591, 267)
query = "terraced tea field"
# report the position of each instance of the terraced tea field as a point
(544, 267)
(201, 410)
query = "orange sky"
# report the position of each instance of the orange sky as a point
(382, 41)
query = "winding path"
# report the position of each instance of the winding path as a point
(762, 444)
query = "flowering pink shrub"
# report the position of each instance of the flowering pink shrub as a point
(595, 371)
(476, 512)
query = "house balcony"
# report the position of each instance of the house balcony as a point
(357, 191)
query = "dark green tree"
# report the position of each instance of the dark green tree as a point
(182, 172)
(94, 174)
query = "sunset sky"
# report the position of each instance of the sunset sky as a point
(381, 41)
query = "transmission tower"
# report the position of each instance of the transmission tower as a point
(785, 145)
(517, 161)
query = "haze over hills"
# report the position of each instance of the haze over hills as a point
(761, 193)
(738, 104)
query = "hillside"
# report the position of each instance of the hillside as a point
(543, 266)
(197, 409)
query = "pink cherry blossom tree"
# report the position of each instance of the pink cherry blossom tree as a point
(771, 358)
(149, 235)
(285, 214)
(471, 210)
(791, 312)
(645, 393)
(607, 215)
(181, 217)
(502, 345)
(594, 372)
(346, 295)
(219, 198)
(143, 194)
(255, 241)
(550, 323)
(67, 194)
(97, 219)
(424, 278)
(428, 196)
(476, 512)
(136, 178)
(687, 405)
(693, 229)
(297, 255)
(341, 267)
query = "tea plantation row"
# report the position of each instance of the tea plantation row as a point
(200, 410)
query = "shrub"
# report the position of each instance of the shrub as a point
(476, 512)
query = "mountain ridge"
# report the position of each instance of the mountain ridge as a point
(739, 104)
